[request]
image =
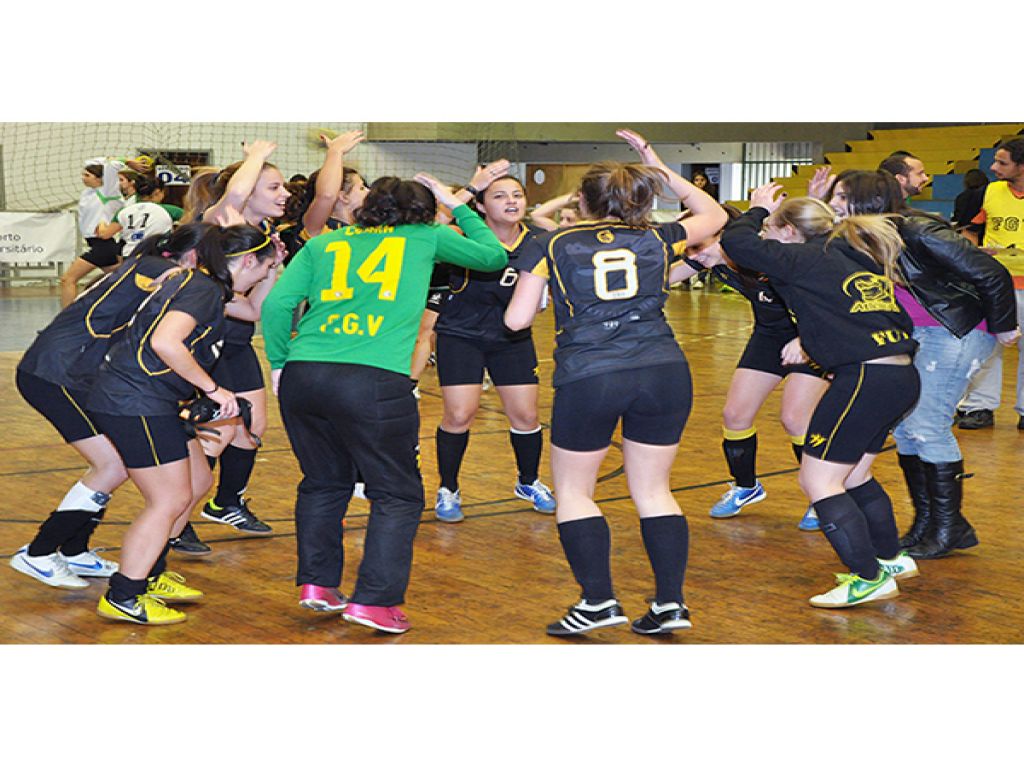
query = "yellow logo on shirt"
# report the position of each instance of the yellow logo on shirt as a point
(871, 293)
(604, 236)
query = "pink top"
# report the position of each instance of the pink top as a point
(918, 314)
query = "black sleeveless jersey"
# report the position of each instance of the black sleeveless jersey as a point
(475, 306)
(69, 351)
(771, 315)
(608, 285)
(134, 380)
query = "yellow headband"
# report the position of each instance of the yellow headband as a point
(259, 247)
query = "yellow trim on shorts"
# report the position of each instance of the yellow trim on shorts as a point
(738, 434)
(149, 437)
(849, 405)
(798, 439)
(88, 421)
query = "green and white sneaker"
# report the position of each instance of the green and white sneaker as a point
(900, 567)
(853, 590)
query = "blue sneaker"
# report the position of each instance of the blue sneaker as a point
(539, 494)
(736, 498)
(448, 508)
(809, 522)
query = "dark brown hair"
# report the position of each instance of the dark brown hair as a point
(392, 201)
(620, 191)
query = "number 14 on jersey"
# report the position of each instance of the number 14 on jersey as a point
(383, 266)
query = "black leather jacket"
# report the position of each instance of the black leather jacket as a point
(957, 283)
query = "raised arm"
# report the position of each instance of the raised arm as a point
(480, 249)
(708, 216)
(329, 180)
(244, 179)
(482, 179)
(744, 246)
(543, 215)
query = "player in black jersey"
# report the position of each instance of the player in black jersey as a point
(472, 338)
(164, 357)
(55, 376)
(841, 292)
(257, 189)
(772, 354)
(617, 359)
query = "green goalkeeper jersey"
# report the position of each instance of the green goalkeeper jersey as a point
(367, 289)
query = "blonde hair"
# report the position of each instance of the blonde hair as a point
(876, 236)
(807, 215)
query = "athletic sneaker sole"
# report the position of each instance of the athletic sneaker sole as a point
(665, 629)
(614, 621)
(873, 598)
(372, 625)
(23, 568)
(186, 553)
(761, 497)
(129, 620)
(240, 530)
(524, 497)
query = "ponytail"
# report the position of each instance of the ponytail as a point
(619, 191)
(875, 236)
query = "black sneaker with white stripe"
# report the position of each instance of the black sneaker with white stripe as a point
(584, 617)
(240, 517)
(663, 619)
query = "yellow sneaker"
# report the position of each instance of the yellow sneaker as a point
(145, 610)
(170, 587)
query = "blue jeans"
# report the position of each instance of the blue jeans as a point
(945, 364)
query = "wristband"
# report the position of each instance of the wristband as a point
(472, 190)
(216, 386)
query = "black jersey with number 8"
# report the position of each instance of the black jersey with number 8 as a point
(608, 285)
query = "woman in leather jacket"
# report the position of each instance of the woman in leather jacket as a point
(961, 301)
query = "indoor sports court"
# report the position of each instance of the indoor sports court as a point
(499, 576)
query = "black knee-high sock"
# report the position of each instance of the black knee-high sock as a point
(587, 544)
(667, 541)
(121, 589)
(78, 542)
(236, 466)
(57, 529)
(847, 531)
(527, 447)
(741, 456)
(450, 450)
(161, 562)
(876, 505)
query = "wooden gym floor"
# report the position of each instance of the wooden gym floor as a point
(500, 576)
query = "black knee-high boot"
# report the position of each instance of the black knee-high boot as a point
(949, 530)
(917, 485)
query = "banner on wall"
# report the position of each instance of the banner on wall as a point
(37, 238)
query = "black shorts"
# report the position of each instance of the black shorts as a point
(145, 441)
(102, 253)
(764, 353)
(238, 369)
(62, 407)
(653, 404)
(462, 361)
(859, 409)
(436, 298)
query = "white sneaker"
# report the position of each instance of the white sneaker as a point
(52, 570)
(900, 567)
(359, 491)
(90, 564)
(416, 393)
(853, 590)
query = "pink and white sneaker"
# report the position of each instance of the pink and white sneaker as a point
(379, 617)
(322, 599)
